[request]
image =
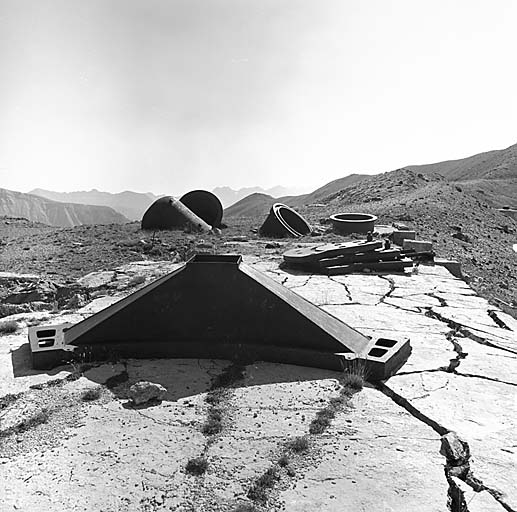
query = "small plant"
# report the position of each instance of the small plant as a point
(91, 394)
(8, 327)
(298, 444)
(197, 466)
(38, 418)
(322, 421)
(7, 400)
(258, 491)
(284, 460)
(216, 396)
(214, 422)
(354, 375)
(229, 376)
(353, 381)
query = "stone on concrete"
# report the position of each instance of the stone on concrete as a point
(454, 449)
(143, 392)
(95, 280)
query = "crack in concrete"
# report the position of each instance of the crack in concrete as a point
(467, 475)
(349, 295)
(456, 361)
(418, 308)
(464, 330)
(484, 377)
(299, 285)
(500, 323)
(441, 300)
(391, 282)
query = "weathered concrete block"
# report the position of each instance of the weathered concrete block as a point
(399, 236)
(418, 245)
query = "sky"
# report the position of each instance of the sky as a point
(167, 96)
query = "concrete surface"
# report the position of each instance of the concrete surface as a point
(381, 452)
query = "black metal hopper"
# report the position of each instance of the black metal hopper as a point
(215, 306)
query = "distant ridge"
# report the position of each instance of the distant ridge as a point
(54, 213)
(493, 165)
(254, 205)
(130, 204)
(257, 204)
(228, 196)
(489, 176)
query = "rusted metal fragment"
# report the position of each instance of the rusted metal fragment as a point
(283, 221)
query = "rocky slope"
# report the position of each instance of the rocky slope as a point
(498, 164)
(254, 205)
(460, 225)
(491, 176)
(131, 205)
(53, 213)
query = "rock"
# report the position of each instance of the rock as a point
(43, 291)
(144, 391)
(66, 294)
(12, 276)
(461, 236)
(456, 450)
(95, 280)
(76, 301)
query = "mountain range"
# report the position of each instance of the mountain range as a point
(130, 204)
(54, 213)
(228, 196)
(490, 176)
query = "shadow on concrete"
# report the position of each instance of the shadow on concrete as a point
(184, 378)
(22, 363)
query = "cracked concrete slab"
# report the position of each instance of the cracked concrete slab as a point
(481, 412)
(387, 462)
(384, 317)
(487, 362)
(460, 375)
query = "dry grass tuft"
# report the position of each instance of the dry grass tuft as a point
(8, 327)
(91, 394)
(258, 491)
(197, 466)
(298, 444)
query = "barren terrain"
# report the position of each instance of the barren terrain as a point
(235, 436)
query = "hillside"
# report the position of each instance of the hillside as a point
(259, 204)
(53, 213)
(324, 191)
(498, 164)
(254, 205)
(460, 225)
(131, 205)
(490, 176)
